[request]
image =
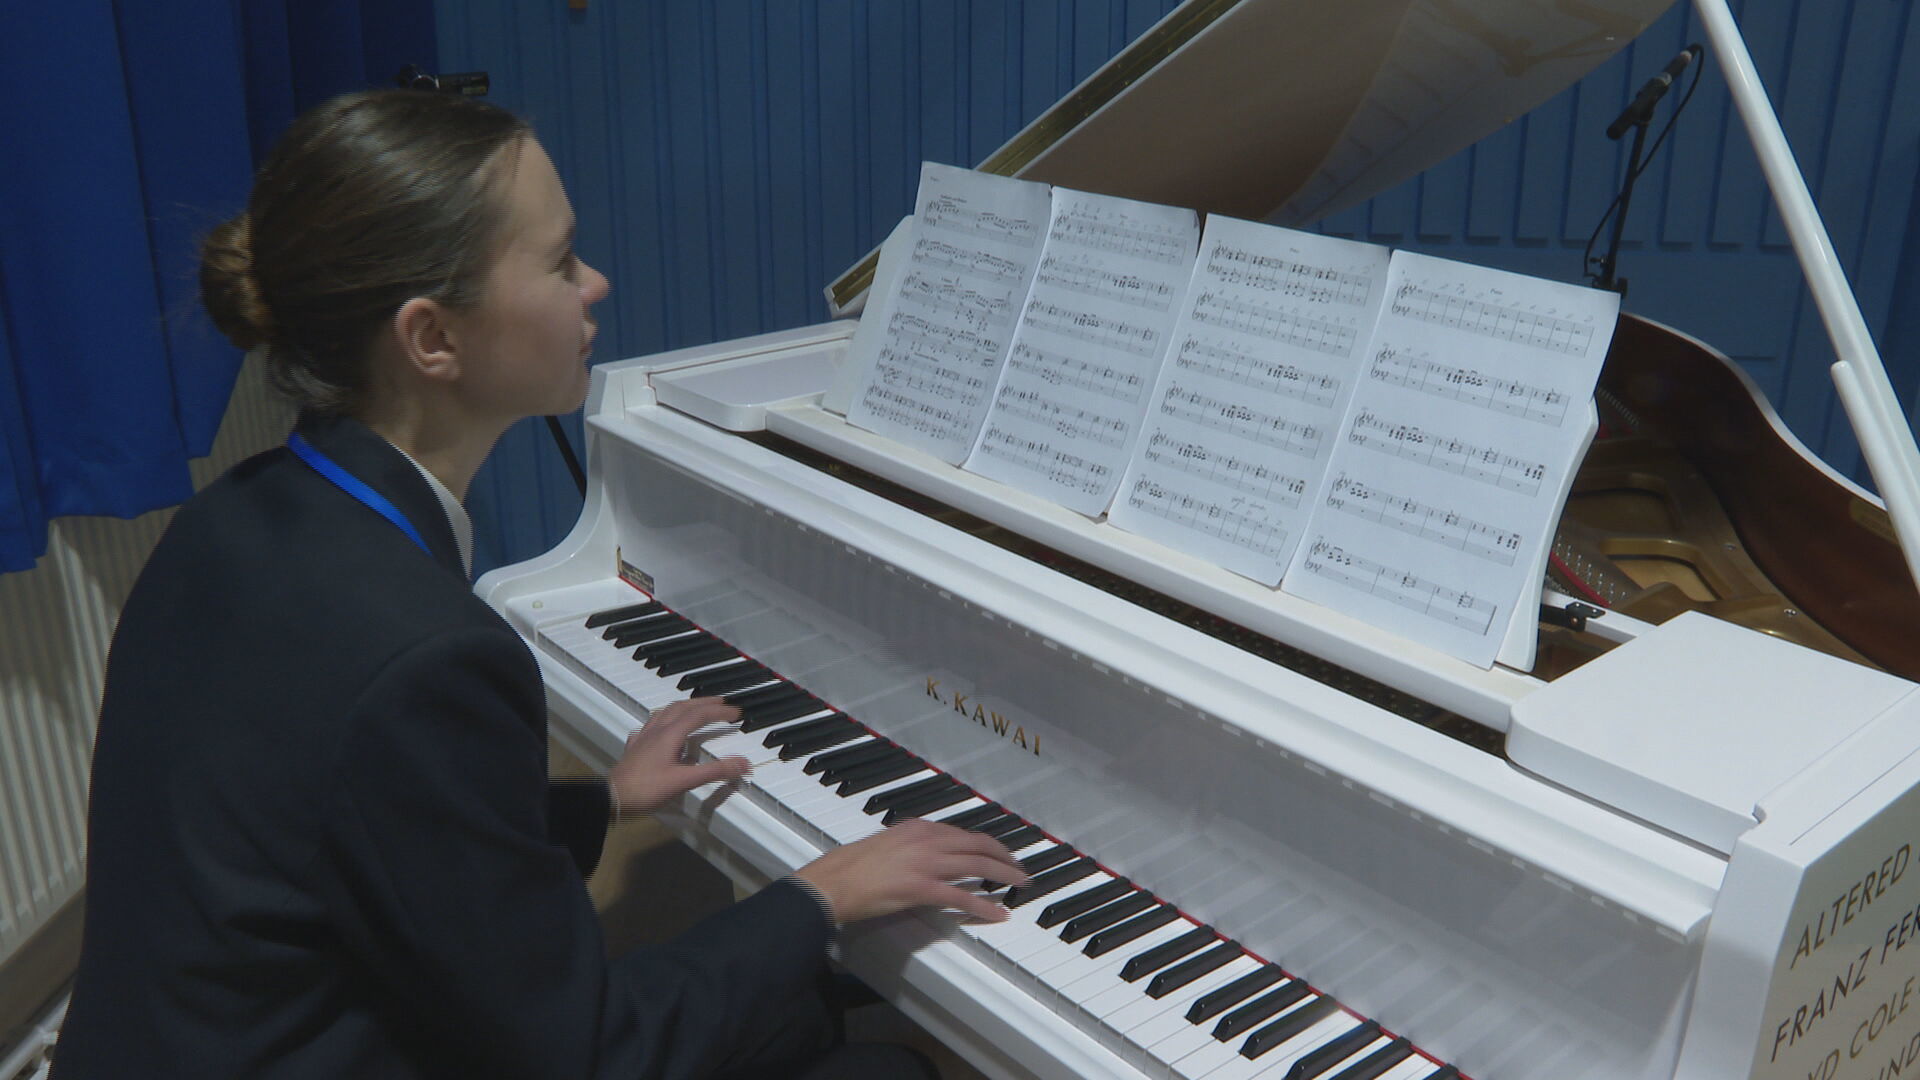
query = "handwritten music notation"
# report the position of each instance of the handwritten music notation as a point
(1116, 233)
(1143, 341)
(950, 213)
(1286, 277)
(1409, 590)
(1059, 369)
(931, 252)
(1088, 279)
(1435, 523)
(1497, 321)
(1250, 475)
(1071, 422)
(1525, 400)
(1058, 466)
(1236, 522)
(1487, 464)
(1267, 429)
(1223, 310)
(1270, 375)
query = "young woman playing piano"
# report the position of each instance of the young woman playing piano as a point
(322, 840)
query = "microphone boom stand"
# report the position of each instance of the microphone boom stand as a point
(1607, 261)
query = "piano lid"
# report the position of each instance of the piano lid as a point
(1290, 110)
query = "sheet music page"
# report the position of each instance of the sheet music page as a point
(1087, 347)
(977, 240)
(1256, 378)
(1456, 453)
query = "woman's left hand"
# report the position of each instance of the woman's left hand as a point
(655, 769)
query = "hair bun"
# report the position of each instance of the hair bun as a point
(227, 284)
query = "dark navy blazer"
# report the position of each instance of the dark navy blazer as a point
(322, 842)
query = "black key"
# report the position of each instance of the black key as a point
(967, 819)
(801, 748)
(1112, 938)
(620, 614)
(646, 629)
(1371, 1066)
(1042, 861)
(733, 677)
(927, 804)
(1215, 1002)
(1333, 1053)
(1258, 1010)
(1103, 918)
(766, 716)
(654, 633)
(1137, 968)
(766, 695)
(1001, 821)
(1287, 1027)
(1447, 1072)
(627, 626)
(1035, 863)
(1025, 836)
(848, 772)
(683, 640)
(1084, 901)
(1186, 971)
(1005, 826)
(690, 661)
(1050, 882)
(887, 800)
(851, 756)
(888, 772)
(655, 653)
(807, 729)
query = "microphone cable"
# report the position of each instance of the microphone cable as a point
(1586, 258)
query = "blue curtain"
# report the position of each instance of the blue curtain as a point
(130, 128)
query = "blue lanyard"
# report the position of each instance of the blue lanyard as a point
(353, 486)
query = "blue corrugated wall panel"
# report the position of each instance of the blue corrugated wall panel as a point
(729, 157)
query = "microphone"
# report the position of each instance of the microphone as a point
(1656, 88)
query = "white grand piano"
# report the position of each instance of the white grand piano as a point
(1272, 840)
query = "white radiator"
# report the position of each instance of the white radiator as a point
(55, 623)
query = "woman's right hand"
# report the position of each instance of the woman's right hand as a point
(914, 863)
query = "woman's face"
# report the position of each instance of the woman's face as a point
(532, 331)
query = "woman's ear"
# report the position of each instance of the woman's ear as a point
(427, 338)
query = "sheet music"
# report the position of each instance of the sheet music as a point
(1465, 429)
(976, 242)
(1256, 378)
(1088, 344)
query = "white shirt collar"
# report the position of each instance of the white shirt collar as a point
(456, 514)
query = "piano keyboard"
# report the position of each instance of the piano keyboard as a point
(1163, 991)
